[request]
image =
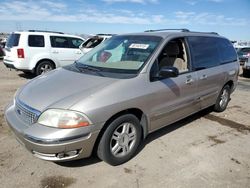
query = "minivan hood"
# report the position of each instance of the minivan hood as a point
(60, 88)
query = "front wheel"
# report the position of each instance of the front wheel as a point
(223, 99)
(120, 140)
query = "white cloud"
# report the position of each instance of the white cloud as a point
(37, 11)
(131, 1)
(56, 6)
(206, 18)
(194, 2)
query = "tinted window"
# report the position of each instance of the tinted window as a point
(65, 42)
(92, 42)
(13, 40)
(59, 42)
(245, 49)
(75, 42)
(204, 52)
(36, 41)
(226, 51)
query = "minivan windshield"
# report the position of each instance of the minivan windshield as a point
(121, 54)
(13, 40)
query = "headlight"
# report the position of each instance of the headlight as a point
(64, 119)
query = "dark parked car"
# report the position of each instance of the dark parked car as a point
(243, 54)
(2, 50)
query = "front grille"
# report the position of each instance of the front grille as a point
(26, 113)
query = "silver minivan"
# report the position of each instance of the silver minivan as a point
(127, 87)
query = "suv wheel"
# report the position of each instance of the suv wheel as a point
(120, 141)
(223, 99)
(43, 67)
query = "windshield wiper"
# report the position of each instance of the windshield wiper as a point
(82, 68)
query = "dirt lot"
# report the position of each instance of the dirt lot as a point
(204, 150)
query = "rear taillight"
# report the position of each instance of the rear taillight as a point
(20, 53)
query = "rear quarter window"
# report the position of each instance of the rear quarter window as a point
(204, 52)
(226, 51)
(13, 40)
(36, 40)
(75, 42)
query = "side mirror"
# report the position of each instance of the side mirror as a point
(167, 72)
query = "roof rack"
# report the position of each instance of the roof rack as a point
(102, 34)
(33, 30)
(182, 30)
(205, 32)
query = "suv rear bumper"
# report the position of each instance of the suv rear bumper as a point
(64, 149)
(11, 66)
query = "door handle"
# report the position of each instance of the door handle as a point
(189, 80)
(55, 52)
(78, 53)
(203, 77)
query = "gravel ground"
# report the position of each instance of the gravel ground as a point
(204, 150)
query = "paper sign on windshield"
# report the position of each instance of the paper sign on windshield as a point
(139, 46)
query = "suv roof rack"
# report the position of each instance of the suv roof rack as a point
(33, 30)
(182, 30)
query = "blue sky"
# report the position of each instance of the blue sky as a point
(230, 18)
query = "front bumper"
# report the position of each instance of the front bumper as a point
(53, 144)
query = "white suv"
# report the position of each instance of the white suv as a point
(41, 51)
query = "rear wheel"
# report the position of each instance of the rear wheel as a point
(44, 66)
(223, 99)
(120, 140)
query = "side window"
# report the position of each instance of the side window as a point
(227, 51)
(246, 50)
(59, 42)
(204, 52)
(75, 42)
(36, 40)
(174, 54)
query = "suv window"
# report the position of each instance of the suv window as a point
(36, 41)
(226, 50)
(92, 42)
(75, 42)
(59, 42)
(13, 40)
(65, 42)
(204, 52)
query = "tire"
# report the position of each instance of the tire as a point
(123, 136)
(43, 67)
(29, 73)
(246, 73)
(223, 99)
